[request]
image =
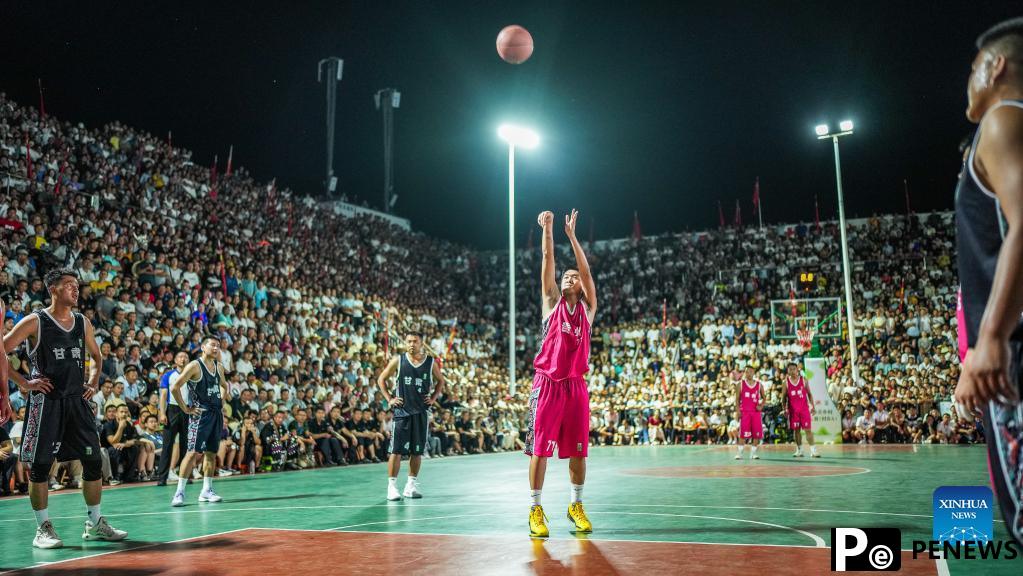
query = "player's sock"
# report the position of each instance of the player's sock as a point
(182, 482)
(207, 483)
(94, 514)
(42, 516)
(577, 493)
(392, 481)
(753, 450)
(411, 480)
(741, 448)
(535, 495)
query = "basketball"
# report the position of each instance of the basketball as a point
(514, 44)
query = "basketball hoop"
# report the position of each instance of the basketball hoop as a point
(804, 336)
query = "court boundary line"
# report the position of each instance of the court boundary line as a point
(109, 552)
(588, 538)
(863, 471)
(212, 509)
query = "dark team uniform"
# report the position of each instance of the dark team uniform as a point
(412, 419)
(59, 424)
(980, 229)
(205, 429)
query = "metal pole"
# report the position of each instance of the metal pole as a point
(846, 270)
(511, 266)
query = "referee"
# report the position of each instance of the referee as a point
(175, 422)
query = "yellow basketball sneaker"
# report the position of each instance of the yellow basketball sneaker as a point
(538, 522)
(577, 515)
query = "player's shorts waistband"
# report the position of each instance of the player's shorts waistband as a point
(541, 377)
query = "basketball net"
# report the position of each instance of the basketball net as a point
(804, 336)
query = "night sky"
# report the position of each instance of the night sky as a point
(663, 108)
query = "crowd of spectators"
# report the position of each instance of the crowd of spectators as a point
(308, 303)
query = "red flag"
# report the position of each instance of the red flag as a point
(213, 178)
(60, 174)
(738, 214)
(223, 272)
(721, 215)
(637, 233)
(664, 321)
(756, 193)
(42, 104)
(816, 213)
(451, 338)
(28, 158)
(230, 156)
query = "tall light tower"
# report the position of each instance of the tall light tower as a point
(845, 128)
(330, 69)
(386, 101)
(515, 136)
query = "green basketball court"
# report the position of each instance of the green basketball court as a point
(690, 509)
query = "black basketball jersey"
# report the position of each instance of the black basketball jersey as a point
(980, 228)
(59, 355)
(205, 392)
(414, 385)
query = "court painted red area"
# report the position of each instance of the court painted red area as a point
(739, 470)
(282, 552)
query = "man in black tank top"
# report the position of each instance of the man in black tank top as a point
(989, 220)
(207, 389)
(59, 421)
(411, 398)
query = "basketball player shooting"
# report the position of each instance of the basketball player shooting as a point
(559, 403)
(989, 235)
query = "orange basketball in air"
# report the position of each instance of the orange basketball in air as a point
(514, 44)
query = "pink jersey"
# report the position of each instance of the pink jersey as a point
(797, 393)
(565, 351)
(750, 400)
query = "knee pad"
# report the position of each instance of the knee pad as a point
(92, 469)
(40, 472)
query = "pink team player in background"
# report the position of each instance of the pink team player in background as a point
(559, 402)
(799, 406)
(749, 406)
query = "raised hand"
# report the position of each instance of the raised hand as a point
(545, 219)
(570, 220)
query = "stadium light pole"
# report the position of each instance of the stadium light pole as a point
(845, 128)
(516, 137)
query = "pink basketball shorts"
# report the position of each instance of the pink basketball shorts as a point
(799, 418)
(559, 417)
(751, 425)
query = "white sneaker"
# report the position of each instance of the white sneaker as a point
(814, 453)
(223, 472)
(209, 496)
(738, 456)
(797, 454)
(102, 531)
(172, 476)
(392, 493)
(46, 537)
(755, 456)
(178, 500)
(412, 490)
(56, 486)
(196, 474)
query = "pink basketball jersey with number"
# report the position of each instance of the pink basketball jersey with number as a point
(565, 351)
(750, 397)
(797, 393)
